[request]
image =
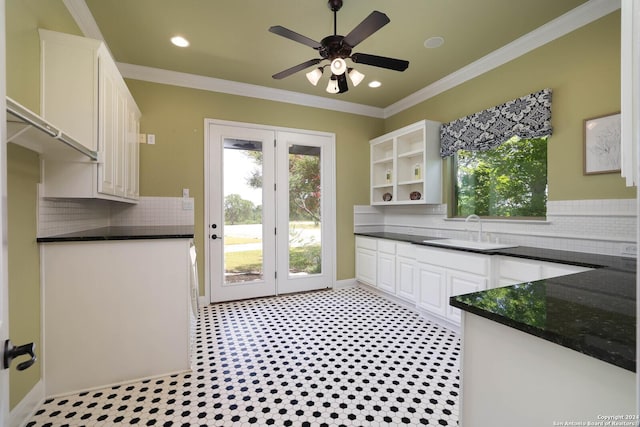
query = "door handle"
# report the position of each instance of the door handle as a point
(214, 236)
(11, 352)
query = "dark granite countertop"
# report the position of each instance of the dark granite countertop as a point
(124, 233)
(592, 312)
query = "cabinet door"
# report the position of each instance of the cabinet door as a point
(431, 288)
(459, 283)
(366, 266)
(132, 156)
(108, 110)
(386, 275)
(406, 279)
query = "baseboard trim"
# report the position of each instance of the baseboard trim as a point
(345, 283)
(24, 410)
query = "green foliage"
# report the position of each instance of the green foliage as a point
(304, 187)
(507, 181)
(305, 259)
(240, 211)
(304, 184)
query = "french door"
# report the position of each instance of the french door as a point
(270, 216)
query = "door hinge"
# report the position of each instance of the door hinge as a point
(275, 230)
(274, 187)
(275, 275)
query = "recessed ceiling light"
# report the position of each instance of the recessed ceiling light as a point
(433, 42)
(180, 41)
(375, 83)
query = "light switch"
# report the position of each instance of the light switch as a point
(151, 138)
(142, 138)
(185, 192)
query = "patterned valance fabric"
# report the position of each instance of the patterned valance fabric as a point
(526, 117)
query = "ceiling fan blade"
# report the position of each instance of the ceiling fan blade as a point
(292, 35)
(295, 69)
(370, 25)
(380, 61)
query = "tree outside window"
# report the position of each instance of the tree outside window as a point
(507, 181)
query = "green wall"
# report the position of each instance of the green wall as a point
(176, 116)
(583, 70)
(24, 261)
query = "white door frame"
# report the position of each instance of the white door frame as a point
(4, 278)
(329, 241)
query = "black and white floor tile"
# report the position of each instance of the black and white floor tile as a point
(344, 357)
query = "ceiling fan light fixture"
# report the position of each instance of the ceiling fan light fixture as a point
(332, 87)
(338, 66)
(356, 76)
(343, 86)
(314, 76)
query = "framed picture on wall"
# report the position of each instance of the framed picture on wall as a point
(602, 144)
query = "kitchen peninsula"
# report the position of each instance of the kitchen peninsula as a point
(561, 349)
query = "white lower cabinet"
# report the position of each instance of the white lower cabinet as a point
(445, 273)
(428, 276)
(114, 311)
(406, 272)
(459, 283)
(366, 258)
(510, 271)
(431, 288)
(386, 274)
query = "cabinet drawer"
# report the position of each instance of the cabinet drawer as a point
(366, 243)
(456, 260)
(519, 270)
(387, 246)
(406, 250)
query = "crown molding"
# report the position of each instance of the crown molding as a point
(84, 19)
(564, 24)
(194, 81)
(570, 21)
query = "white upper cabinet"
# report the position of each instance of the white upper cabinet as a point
(83, 92)
(406, 167)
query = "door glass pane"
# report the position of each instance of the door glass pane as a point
(242, 165)
(305, 245)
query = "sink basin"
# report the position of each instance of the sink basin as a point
(468, 244)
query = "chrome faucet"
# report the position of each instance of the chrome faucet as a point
(476, 217)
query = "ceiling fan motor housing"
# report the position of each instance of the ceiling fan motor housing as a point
(333, 47)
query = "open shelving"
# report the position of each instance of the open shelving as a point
(406, 167)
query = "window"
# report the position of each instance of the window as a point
(509, 180)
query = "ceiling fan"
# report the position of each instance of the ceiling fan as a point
(336, 48)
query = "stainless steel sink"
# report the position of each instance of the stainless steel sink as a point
(468, 244)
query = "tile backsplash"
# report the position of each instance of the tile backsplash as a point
(596, 226)
(60, 216)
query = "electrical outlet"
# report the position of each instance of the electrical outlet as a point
(629, 250)
(142, 138)
(185, 192)
(151, 138)
(187, 204)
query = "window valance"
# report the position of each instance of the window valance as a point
(526, 117)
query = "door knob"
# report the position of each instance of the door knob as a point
(11, 352)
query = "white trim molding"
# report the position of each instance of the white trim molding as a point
(570, 21)
(27, 406)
